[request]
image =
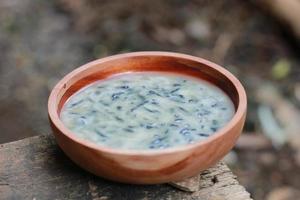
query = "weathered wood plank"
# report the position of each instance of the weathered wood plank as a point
(35, 168)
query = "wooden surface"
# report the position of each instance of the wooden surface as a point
(35, 168)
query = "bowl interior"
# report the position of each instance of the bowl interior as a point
(142, 63)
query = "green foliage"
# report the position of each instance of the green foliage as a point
(281, 69)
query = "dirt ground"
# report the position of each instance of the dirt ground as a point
(41, 41)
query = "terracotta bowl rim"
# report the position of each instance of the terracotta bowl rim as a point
(237, 118)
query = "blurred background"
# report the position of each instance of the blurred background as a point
(258, 41)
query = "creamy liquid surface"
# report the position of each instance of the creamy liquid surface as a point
(147, 111)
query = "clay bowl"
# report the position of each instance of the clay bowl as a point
(147, 166)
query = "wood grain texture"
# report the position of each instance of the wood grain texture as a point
(36, 168)
(191, 184)
(148, 166)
